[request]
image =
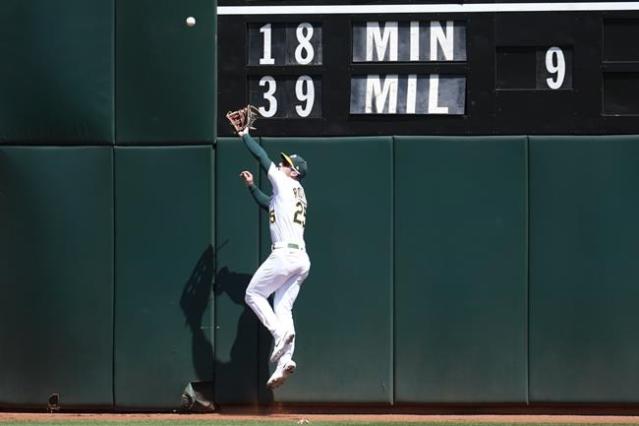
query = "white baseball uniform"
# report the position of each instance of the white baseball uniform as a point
(288, 264)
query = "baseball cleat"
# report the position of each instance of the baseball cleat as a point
(280, 374)
(282, 345)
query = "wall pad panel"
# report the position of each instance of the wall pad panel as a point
(343, 312)
(164, 271)
(57, 78)
(165, 71)
(237, 224)
(460, 269)
(56, 276)
(584, 269)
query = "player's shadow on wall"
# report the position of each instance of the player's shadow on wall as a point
(234, 379)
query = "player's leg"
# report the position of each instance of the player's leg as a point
(265, 281)
(284, 295)
(283, 302)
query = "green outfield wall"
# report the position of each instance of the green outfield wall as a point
(470, 270)
(479, 271)
(106, 203)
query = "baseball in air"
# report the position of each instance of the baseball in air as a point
(190, 21)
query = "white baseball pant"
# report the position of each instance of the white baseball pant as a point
(281, 273)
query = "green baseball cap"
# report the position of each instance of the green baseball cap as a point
(296, 162)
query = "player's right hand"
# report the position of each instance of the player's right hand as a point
(247, 176)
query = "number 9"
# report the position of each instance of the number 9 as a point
(555, 64)
(307, 95)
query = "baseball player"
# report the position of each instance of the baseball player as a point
(288, 264)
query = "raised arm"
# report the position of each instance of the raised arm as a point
(256, 150)
(260, 198)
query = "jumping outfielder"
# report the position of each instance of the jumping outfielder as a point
(288, 264)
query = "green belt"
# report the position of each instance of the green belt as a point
(288, 245)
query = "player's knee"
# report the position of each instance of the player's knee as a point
(249, 298)
(284, 313)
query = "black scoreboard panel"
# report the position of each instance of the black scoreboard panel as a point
(432, 73)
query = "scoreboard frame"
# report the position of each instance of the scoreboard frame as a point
(603, 97)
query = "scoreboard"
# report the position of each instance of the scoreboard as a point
(372, 68)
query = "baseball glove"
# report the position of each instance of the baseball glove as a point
(243, 118)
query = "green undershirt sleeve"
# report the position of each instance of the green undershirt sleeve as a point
(260, 198)
(257, 151)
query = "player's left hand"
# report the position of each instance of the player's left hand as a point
(247, 176)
